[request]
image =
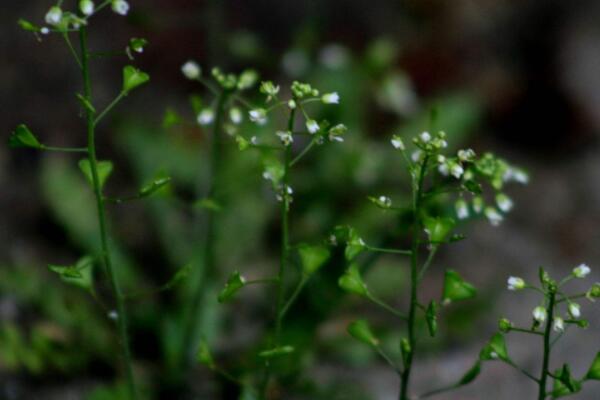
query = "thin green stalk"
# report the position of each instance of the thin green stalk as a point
(294, 296)
(390, 251)
(416, 231)
(106, 257)
(386, 306)
(208, 254)
(544, 374)
(65, 149)
(109, 107)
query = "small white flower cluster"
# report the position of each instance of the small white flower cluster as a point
(336, 132)
(258, 115)
(269, 89)
(285, 137)
(285, 192)
(581, 271)
(62, 20)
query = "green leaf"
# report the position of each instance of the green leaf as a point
(208, 204)
(79, 274)
(242, 143)
(180, 275)
(354, 246)
(156, 185)
(352, 282)
(234, 283)
(204, 356)
(23, 137)
(564, 384)
(473, 187)
(276, 352)
(431, 318)
(455, 288)
(171, 118)
(361, 331)
(313, 258)
(86, 103)
(104, 169)
(133, 77)
(438, 228)
(494, 349)
(471, 374)
(594, 371)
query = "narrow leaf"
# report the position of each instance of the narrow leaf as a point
(276, 352)
(153, 187)
(86, 103)
(471, 374)
(204, 356)
(431, 318)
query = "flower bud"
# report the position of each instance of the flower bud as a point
(331, 98)
(206, 116)
(86, 7)
(191, 70)
(539, 314)
(559, 324)
(54, 16)
(397, 142)
(504, 202)
(581, 271)
(504, 325)
(462, 210)
(515, 283)
(312, 126)
(121, 7)
(574, 310)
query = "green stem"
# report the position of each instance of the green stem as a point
(72, 49)
(391, 251)
(110, 107)
(414, 282)
(106, 257)
(208, 262)
(546, 361)
(65, 149)
(304, 152)
(386, 306)
(294, 296)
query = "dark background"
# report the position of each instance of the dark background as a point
(517, 77)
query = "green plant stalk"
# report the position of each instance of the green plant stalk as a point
(414, 278)
(106, 257)
(546, 361)
(208, 254)
(280, 307)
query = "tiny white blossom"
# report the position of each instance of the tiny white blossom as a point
(285, 137)
(494, 355)
(235, 114)
(54, 16)
(267, 175)
(539, 314)
(504, 202)
(86, 7)
(258, 115)
(206, 116)
(456, 170)
(559, 324)
(416, 155)
(574, 310)
(121, 7)
(397, 142)
(292, 104)
(254, 140)
(478, 204)
(466, 155)
(191, 70)
(385, 201)
(493, 216)
(516, 175)
(113, 314)
(515, 283)
(441, 159)
(44, 30)
(331, 98)
(581, 271)
(312, 126)
(425, 137)
(462, 210)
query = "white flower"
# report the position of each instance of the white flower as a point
(559, 324)
(493, 216)
(113, 314)
(336, 132)
(397, 142)
(268, 88)
(441, 159)
(312, 126)
(44, 30)
(121, 7)
(292, 104)
(258, 115)
(331, 98)
(54, 16)
(268, 176)
(581, 271)
(515, 283)
(206, 116)
(416, 155)
(466, 155)
(191, 70)
(504, 202)
(456, 170)
(385, 201)
(478, 204)
(86, 7)
(574, 310)
(462, 210)
(539, 314)
(516, 175)
(254, 140)
(235, 114)
(285, 137)
(425, 137)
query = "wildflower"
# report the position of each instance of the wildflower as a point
(515, 283)
(191, 70)
(467, 155)
(285, 137)
(516, 175)
(258, 115)
(504, 202)
(493, 216)
(86, 7)
(285, 192)
(456, 170)
(54, 16)
(478, 204)
(113, 314)
(269, 89)
(416, 155)
(574, 310)
(462, 210)
(581, 271)
(397, 142)
(335, 133)
(559, 324)
(121, 7)
(425, 137)
(44, 30)
(292, 104)
(254, 140)
(331, 98)
(235, 114)
(268, 176)
(384, 201)
(539, 314)
(312, 126)
(206, 116)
